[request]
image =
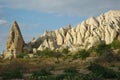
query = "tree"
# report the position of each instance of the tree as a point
(58, 55)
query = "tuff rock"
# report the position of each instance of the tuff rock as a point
(104, 28)
(90, 32)
(15, 41)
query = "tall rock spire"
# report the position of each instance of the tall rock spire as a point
(15, 40)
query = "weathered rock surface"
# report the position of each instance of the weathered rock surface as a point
(90, 32)
(15, 40)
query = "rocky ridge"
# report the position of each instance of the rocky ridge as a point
(90, 32)
(105, 28)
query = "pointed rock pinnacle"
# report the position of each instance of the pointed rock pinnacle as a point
(15, 40)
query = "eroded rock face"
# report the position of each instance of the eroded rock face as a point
(15, 40)
(90, 32)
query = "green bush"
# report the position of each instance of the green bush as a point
(71, 70)
(65, 51)
(11, 74)
(68, 74)
(81, 54)
(20, 55)
(103, 49)
(118, 75)
(45, 53)
(42, 74)
(102, 71)
(14, 70)
(89, 76)
(60, 77)
(115, 44)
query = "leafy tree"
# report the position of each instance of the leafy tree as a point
(57, 55)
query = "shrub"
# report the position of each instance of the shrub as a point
(65, 51)
(14, 70)
(101, 71)
(60, 77)
(57, 55)
(81, 54)
(45, 53)
(20, 55)
(103, 49)
(42, 74)
(115, 44)
(71, 70)
(118, 75)
(11, 74)
(68, 74)
(90, 76)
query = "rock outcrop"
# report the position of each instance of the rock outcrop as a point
(90, 32)
(15, 41)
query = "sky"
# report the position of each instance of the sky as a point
(37, 16)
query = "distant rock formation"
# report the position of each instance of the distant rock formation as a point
(90, 32)
(15, 41)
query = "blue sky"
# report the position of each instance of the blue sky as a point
(36, 16)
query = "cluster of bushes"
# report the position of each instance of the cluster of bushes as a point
(15, 70)
(68, 74)
(42, 74)
(81, 54)
(101, 71)
(21, 55)
(100, 50)
(97, 72)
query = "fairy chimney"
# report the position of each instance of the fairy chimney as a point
(15, 40)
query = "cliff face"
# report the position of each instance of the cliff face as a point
(90, 32)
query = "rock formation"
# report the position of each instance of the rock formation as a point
(15, 41)
(90, 32)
